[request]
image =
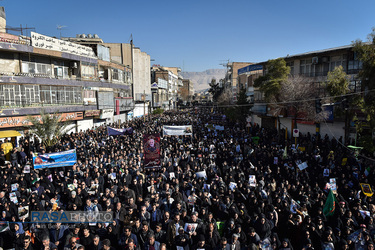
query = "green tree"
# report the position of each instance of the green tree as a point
(158, 111)
(243, 105)
(270, 83)
(365, 53)
(48, 127)
(337, 82)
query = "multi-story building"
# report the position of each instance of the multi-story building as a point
(165, 84)
(186, 92)
(41, 72)
(137, 62)
(231, 76)
(314, 65)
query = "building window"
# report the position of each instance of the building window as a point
(291, 66)
(305, 67)
(19, 95)
(355, 86)
(118, 75)
(36, 68)
(88, 70)
(54, 95)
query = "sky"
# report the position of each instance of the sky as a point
(199, 35)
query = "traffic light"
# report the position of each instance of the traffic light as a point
(318, 105)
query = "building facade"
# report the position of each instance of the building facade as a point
(166, 82)
(231, 78)
(41, 72)
(315, 66)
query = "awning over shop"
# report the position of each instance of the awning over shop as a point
(9, 133)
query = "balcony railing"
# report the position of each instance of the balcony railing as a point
(73, 78)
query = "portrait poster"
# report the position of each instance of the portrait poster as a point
(23, 212)
(151, 148)
(4, 226)
(252, 181)
(326, 172)
(190, 227)
(366, 189)
(332, 183)
(14, 187)
(232, 185)
(13, 197)
(26, 169)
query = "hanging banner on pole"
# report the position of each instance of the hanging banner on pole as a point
(151, 147)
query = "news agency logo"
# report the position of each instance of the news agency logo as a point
(71, 217)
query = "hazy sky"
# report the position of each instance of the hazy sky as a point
(200, 35)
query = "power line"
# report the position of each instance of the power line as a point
(343, 145)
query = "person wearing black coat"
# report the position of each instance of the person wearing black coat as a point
(263, 227)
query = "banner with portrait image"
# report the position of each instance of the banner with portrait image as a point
(151, 149)
(178, 130)
(54, 160)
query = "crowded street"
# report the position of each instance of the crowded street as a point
(224, 186)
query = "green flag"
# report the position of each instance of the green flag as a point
(255, 140)
(329, 207)
(35, 180)
(220, 227)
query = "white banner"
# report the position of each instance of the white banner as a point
(178, 130)
(201, 174)
(46, 42)
(302, 166)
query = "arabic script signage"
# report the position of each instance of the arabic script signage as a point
(46, 42)
(18, 121)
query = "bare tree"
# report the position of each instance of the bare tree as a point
(298, 93)
(225, 97)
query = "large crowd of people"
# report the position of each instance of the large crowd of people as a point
(174, 207)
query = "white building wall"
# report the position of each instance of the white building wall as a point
(139, 110)
(335, 129)
(71, 128)
(83, 125)
(256, 119)
(142, 73)
(121, 118)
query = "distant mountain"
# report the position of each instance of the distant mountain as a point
(202, 79)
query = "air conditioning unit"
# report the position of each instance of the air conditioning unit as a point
(315, 60)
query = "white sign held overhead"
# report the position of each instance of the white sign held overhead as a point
(295, 132)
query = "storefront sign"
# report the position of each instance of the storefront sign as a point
(92, 113)
(18, 121)
(106, 113)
